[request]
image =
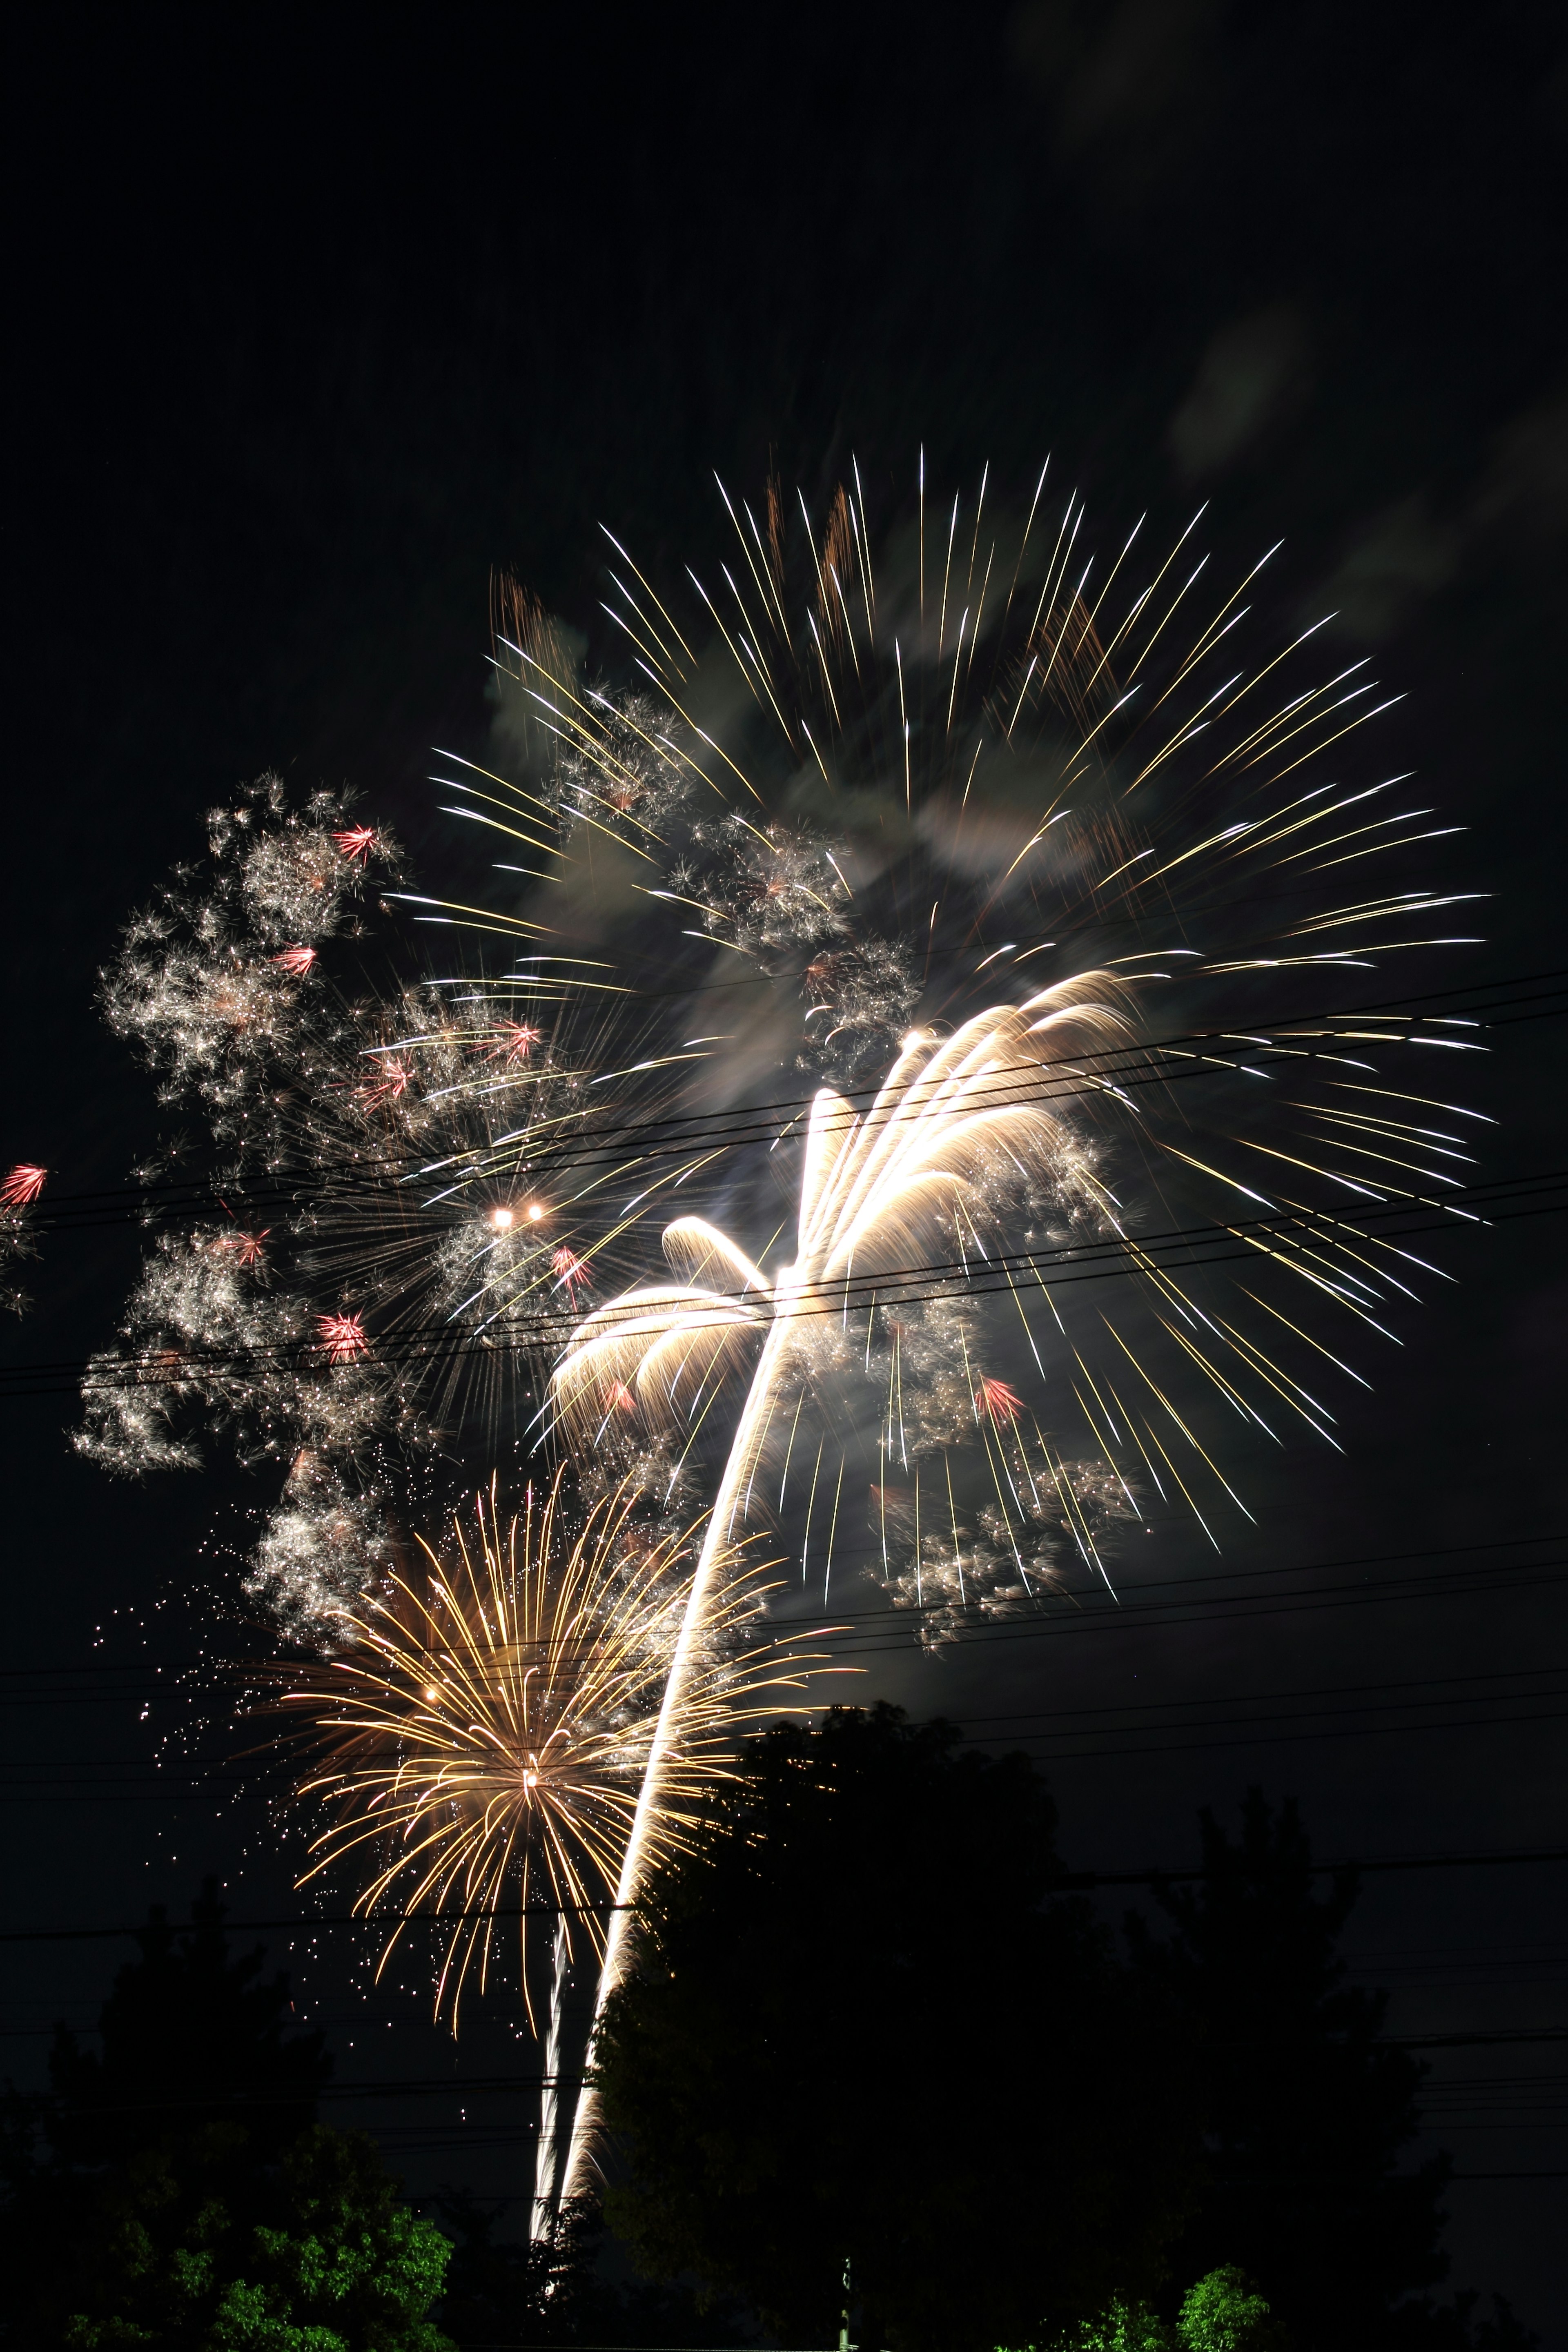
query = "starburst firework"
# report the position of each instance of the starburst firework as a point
(485, 1734)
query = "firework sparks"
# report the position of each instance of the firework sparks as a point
(355, 842)
(414, 1248)
(875, 1189)
(1041, 882)
(1051, 770)
(19, 1189)
(996, 1402)
(341, 1339)
(22, 1185)
(514, 1042)
(487, 1734)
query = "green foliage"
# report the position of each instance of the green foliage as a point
(859, 2023)
(1224, 2313)
(343, 2264)
(173, 2192)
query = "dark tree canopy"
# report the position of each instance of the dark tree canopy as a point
(173, 2189)
(190, 2036)
(862, 2025)
(552, 2290)
(1306, 2110)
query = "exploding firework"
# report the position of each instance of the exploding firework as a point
(20, 1188)
(859, 797)
(413, 1192)
(484, 1742)
(1031, 935)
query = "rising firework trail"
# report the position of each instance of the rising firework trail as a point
(856, 797)
(978, 903)
(483, 1741)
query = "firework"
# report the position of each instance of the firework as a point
(20, 1188)
(412, 1194)
(983, 902)
(856, 798)
(486, 1738)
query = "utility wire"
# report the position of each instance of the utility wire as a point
(682, 1132)
(1048, 1269)
(1068, 1881)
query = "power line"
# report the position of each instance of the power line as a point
(1067, 1882)
(709, 1130)
(1065, 1715)
(1160, 1586)
(1068, 1264)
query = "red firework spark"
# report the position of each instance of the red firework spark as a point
(355, 843)
(997, 1402)
(342, 1338)
(392, 1081)
(513, 1042)
(24, 1183)
(570, 1271)
(247, 1248)
(621, 1398)
(295, 961)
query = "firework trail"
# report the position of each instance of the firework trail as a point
(485, 1738)
(980, 905)
(852, 799)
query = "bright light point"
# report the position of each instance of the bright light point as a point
(501, 1219)
(534, 1212)
(432, 1696)
(916, 1037)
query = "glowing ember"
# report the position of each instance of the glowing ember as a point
(245, 1248)
(571, 1271)
(391, 1086)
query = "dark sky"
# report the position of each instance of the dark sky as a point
(316, 317)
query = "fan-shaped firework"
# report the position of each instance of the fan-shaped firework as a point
(487, 1735)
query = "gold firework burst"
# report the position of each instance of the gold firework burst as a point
(484, 1742)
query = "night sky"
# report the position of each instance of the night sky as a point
(315, 319)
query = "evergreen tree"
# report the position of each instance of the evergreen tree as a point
(1306, 2108)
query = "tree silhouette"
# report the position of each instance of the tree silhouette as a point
(863, 2025)
(173, 2189)
(1306, 2109)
